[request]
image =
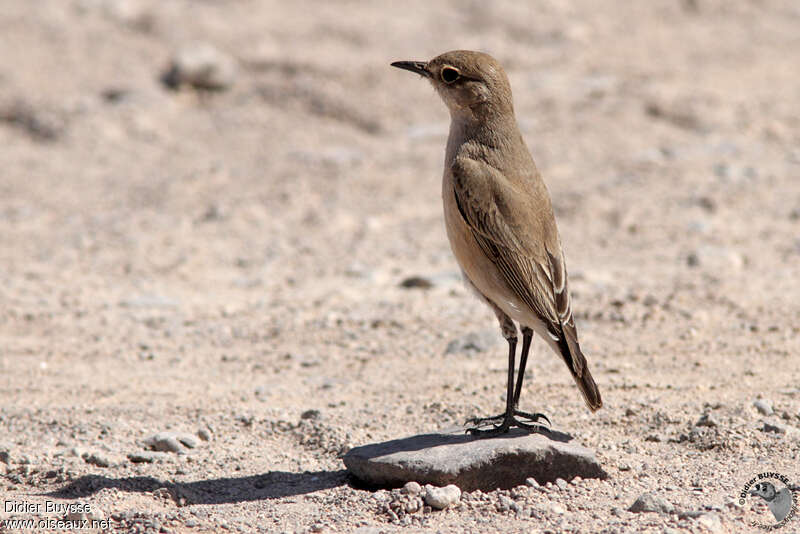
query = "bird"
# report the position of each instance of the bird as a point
(501, 227)
(779, 502)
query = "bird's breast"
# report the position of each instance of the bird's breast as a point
(475, 264)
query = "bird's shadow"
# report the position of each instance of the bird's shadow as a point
(272, 485)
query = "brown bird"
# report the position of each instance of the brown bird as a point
(500, 224)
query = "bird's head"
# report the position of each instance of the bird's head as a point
(471, 84)
(765, 490)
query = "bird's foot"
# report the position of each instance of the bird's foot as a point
(505, 421)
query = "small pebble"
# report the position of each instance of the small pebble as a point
(763, 406)
(779, 428)
(201, 65)
(707, 420)
(561, 483)
(98, 459)
(412, 488)
(176, 442)
(418, 282)
(147, 457)
(441, 498)
(647, 502)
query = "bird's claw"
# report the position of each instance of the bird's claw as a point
(503, 422)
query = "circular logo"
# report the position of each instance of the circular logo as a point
(774, 491)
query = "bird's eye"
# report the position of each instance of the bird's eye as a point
(449, 75)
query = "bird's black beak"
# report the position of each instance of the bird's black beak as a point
(420, 67)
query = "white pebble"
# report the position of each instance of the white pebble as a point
(441, 498)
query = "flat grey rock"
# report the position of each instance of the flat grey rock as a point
(471, 463)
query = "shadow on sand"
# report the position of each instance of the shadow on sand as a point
(272, 485)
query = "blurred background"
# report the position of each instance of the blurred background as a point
(222, 209)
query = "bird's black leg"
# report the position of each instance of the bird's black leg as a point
(527, 338)
(505, 419)
(512, 352)
(509, 419)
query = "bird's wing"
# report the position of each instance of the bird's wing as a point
(514, 226)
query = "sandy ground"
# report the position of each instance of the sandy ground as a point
(230, 262)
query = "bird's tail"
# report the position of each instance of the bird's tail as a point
(589, 389)
(578, 366)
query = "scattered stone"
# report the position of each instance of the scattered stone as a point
(472, 463)
(310, 414)
(412, 488)
(416, 282)
(557, 508)
(176, 442)
(147, 457)
(707, 203)
(530, 481)
(763, 406)
(779, 428)
(690, 514)
(441, 498)
(165, 443)
(707, 420)
(647, 502)
(5, 455)
(562, 484)
(202, 66)
(474, 342)
(98, 458)
(381, 496)
(204, 434)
